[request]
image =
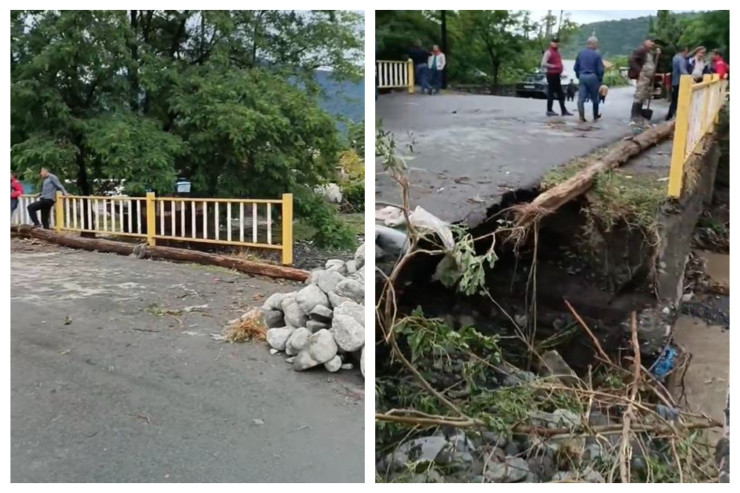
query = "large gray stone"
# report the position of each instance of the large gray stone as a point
(315, 326)
(337, 300)
(297, 341)
(459, 450)
(360, 256)
(351, 267)
(274, 301)
(424, 449)
(327, 280)
(273, 318)
(319, 349)
(336, 265)
(553, 365)
(277, 338)
(354, 290)
(588, 476)
(321, 313)
(517, 469)
(512, 470)
(348, 333)
(334, 364)
(294, 316)
(310, 297)
(352, 309)
(313, 277)
(359, 276)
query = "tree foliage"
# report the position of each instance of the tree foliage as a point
(226, 98)
(621, 37)
(492, 46)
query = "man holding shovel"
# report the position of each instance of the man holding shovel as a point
(642, 68)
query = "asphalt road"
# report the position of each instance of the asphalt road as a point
(468, 150)
(107, 386)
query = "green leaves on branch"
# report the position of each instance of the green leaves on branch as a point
(227, 99)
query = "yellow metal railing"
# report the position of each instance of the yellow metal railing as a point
(697, 112)
(395, 75)
(238, 222)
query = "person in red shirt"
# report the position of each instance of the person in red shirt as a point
(720, 66)
(16, 190)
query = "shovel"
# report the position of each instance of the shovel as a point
(647, 113)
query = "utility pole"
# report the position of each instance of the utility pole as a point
(548, 25)
(560, 22)
(443, 43)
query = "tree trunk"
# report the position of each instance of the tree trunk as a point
(134, 69)
(496, 69)
(83, 183)
(549, 201)
(165, 253)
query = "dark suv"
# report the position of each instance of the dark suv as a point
(535, 86)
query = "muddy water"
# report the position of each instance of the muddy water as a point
(707, 378)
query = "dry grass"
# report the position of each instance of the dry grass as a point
(248, 327)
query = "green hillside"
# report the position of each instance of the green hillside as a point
(615, 37)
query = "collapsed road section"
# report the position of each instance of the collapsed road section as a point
(540, 346)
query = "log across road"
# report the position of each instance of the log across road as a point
(469, 150)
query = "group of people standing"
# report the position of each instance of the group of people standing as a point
(49, 186)
(694, 63)
(589, 69)
(428, 67)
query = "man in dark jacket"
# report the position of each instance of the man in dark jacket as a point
(552, 62)
(642, 69)
(589, 69)
(419, 56)
(679, 69)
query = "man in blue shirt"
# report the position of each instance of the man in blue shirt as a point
(680, 67)
(589, 69)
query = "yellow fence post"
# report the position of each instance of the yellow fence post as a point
(410, 70)
(707, 90)
(287, 241)
(151, 219)
(680, 131)
(58, 212)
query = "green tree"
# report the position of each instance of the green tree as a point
(710, 29)
(492, 33)
(227, 98)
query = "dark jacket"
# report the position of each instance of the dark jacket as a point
(589, 61)
(418, 55)
(637, 60)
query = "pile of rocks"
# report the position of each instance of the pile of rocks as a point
(490, 457)
(323, 323)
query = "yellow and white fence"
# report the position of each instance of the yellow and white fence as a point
(395, 75)
(239, 222)
(697, 112)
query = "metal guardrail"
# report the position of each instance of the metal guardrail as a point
(238, 222)
(697, 112)
(392, 74)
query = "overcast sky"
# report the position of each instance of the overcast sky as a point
(588, 16)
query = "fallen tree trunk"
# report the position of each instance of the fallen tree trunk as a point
(163, 253)
(562, 193)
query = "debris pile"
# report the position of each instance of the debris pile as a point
(324, 322)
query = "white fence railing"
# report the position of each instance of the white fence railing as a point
(393, 74)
